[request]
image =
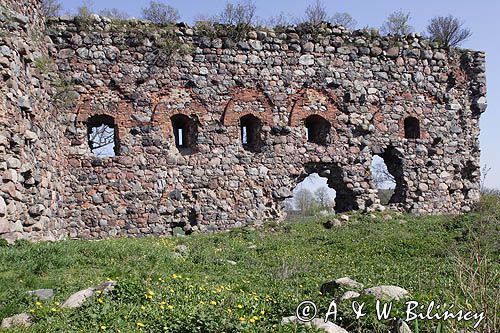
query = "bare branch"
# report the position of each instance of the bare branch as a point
(344, 19)
(316, 14)
(114, 13)
(398, 23)
(51, 7)
(160, 13)
(448, 31)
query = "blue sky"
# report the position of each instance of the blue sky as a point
(480, 16)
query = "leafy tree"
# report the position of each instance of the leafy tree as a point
(316, 14)
(398, 23)
(344, 19)
(51, 7)
(114, 13)
(160, 13)
(449, 31)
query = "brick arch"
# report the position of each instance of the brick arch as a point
(94, 105)
(176, 101)
(308, 97)
(232, 118)
(424, 134)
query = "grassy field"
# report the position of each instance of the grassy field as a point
(248, 279)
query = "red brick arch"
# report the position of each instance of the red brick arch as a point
(120, 111)
(232, 118)
(176, 101)
(309, 97)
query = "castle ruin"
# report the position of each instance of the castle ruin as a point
(211, 132)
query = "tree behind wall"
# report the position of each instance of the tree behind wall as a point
(344, 19)
(160, 13)
(236, 14)
(316, 14)
(449, 31)
(397, 23)
(51, 7)
(113, 13)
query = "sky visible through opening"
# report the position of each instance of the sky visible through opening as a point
(480, 16)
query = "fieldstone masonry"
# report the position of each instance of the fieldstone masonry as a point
(258, 116)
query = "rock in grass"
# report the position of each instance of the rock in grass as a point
(317, 323)
(42, 294)
(22, 319)
(348, 295)
(77, 299)
(182, 249)
(386, 293)
(328, 327)
(347, 282)
(288, 320)
(332, 223)
(399, 326)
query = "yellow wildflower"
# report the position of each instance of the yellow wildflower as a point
(103, 328)
(240, 306)
(242, 318)
(213, 302)
(140, 325)
(170, 307)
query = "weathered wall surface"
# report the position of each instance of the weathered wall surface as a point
(360, 86)
(31, 140)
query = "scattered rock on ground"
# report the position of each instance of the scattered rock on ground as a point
(399, 326)
(77, 299)
(332, 223)
(347, 282)
(182, 249)
(386, 293)
(349, 295)
(318, 323)
(22, 319)
(42, 294)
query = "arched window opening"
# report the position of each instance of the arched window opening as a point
(102, 134)
(312, 195)
(388, 176)
(412, 128)
(317, 129)
(185, 131)
(383, 180)
(250, 127)
(322, 188)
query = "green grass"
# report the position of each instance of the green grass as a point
(289, 263)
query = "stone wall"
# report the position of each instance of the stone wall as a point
(31, 139)
(353, 90)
